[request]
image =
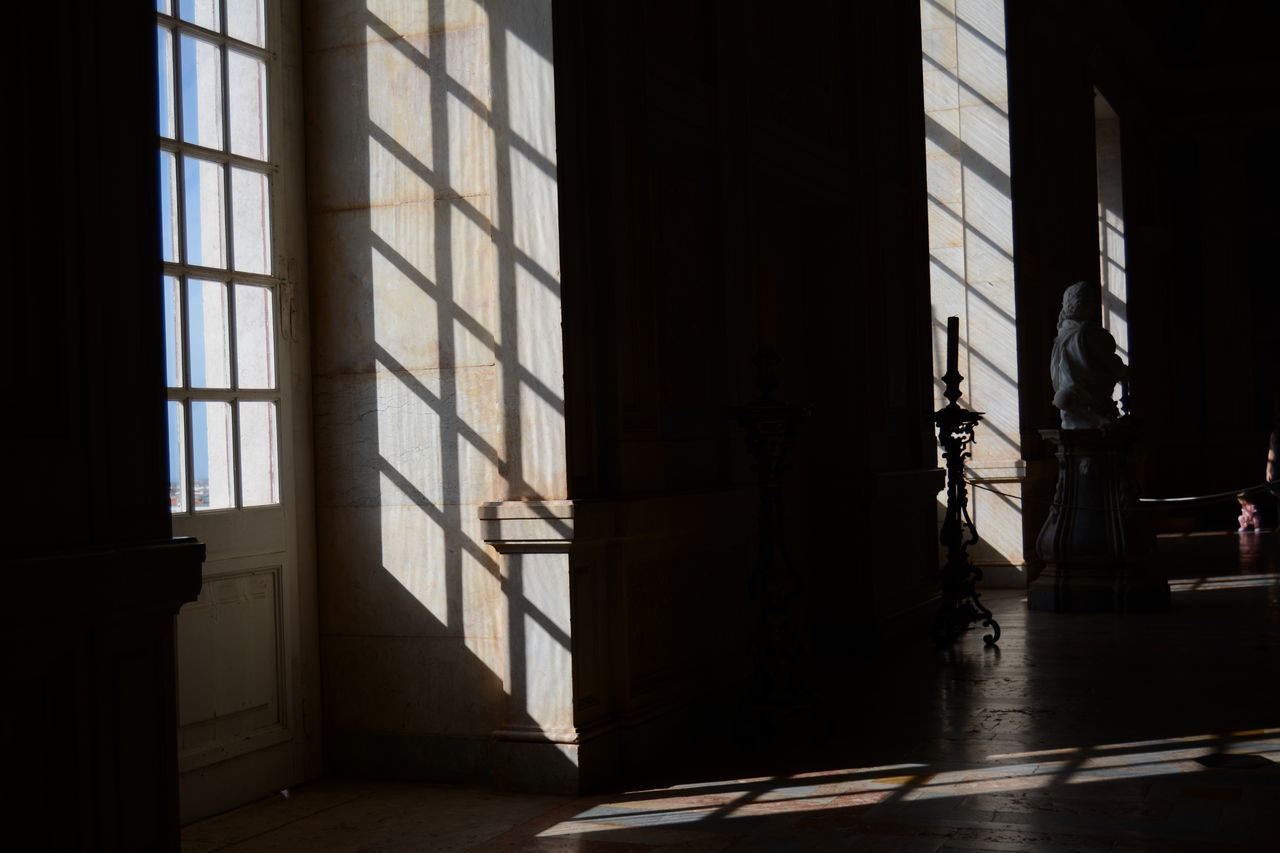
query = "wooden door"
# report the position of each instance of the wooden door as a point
(237, 438)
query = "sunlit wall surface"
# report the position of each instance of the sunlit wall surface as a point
(1111, 236)
(437, 359)
(971, 254)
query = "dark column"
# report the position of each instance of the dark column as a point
(93, 578)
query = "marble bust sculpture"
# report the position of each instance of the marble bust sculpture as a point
(1084, 364)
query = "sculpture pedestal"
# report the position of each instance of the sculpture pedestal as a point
(1096, 546)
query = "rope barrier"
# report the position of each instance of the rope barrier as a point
(996, 491)
(1261, 487)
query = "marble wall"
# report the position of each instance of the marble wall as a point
(1111, 235)
(437, 367)
(481, 619)
(971, 254)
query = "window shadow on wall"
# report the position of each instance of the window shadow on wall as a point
(971, 245)
(435, 270)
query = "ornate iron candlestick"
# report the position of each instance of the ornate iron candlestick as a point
(961, 606)
(770, 426)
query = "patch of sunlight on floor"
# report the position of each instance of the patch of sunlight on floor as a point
(1227, 582)
(702, 805)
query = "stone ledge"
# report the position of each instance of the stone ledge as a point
(500, 510)
(538, 734)
(513, 527)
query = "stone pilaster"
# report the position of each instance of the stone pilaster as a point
(537, 743)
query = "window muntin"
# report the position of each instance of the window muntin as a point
(221, 286)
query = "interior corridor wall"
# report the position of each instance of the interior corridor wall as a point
(433, 225)
(741, 181)
(971, 254)
(1189, 90)
(536, 568)
(92, 572)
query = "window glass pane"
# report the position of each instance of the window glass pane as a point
(247, 82)
(172, 332)
(163, 7)
(177, 460)
(202, 12)
(250, 219)
(205, 211)
(259, 465)
(207, 335)
(211, 454)
(164, 45)
(201, 92)
(169, 206)
(255, 338)
(245, 21)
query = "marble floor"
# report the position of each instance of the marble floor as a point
(1080, 732)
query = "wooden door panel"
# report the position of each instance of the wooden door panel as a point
(232, 636)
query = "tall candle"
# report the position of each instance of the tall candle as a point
(953, 343)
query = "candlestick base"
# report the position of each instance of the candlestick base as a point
(961, 605)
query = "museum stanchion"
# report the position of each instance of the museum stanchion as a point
(961, 606)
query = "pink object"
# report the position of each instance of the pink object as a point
(1248, 515)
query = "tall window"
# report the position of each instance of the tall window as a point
(220, 283)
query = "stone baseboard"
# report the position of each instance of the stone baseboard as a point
(449, 759)
(1002, 576)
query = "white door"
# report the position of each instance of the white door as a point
(245, 666)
